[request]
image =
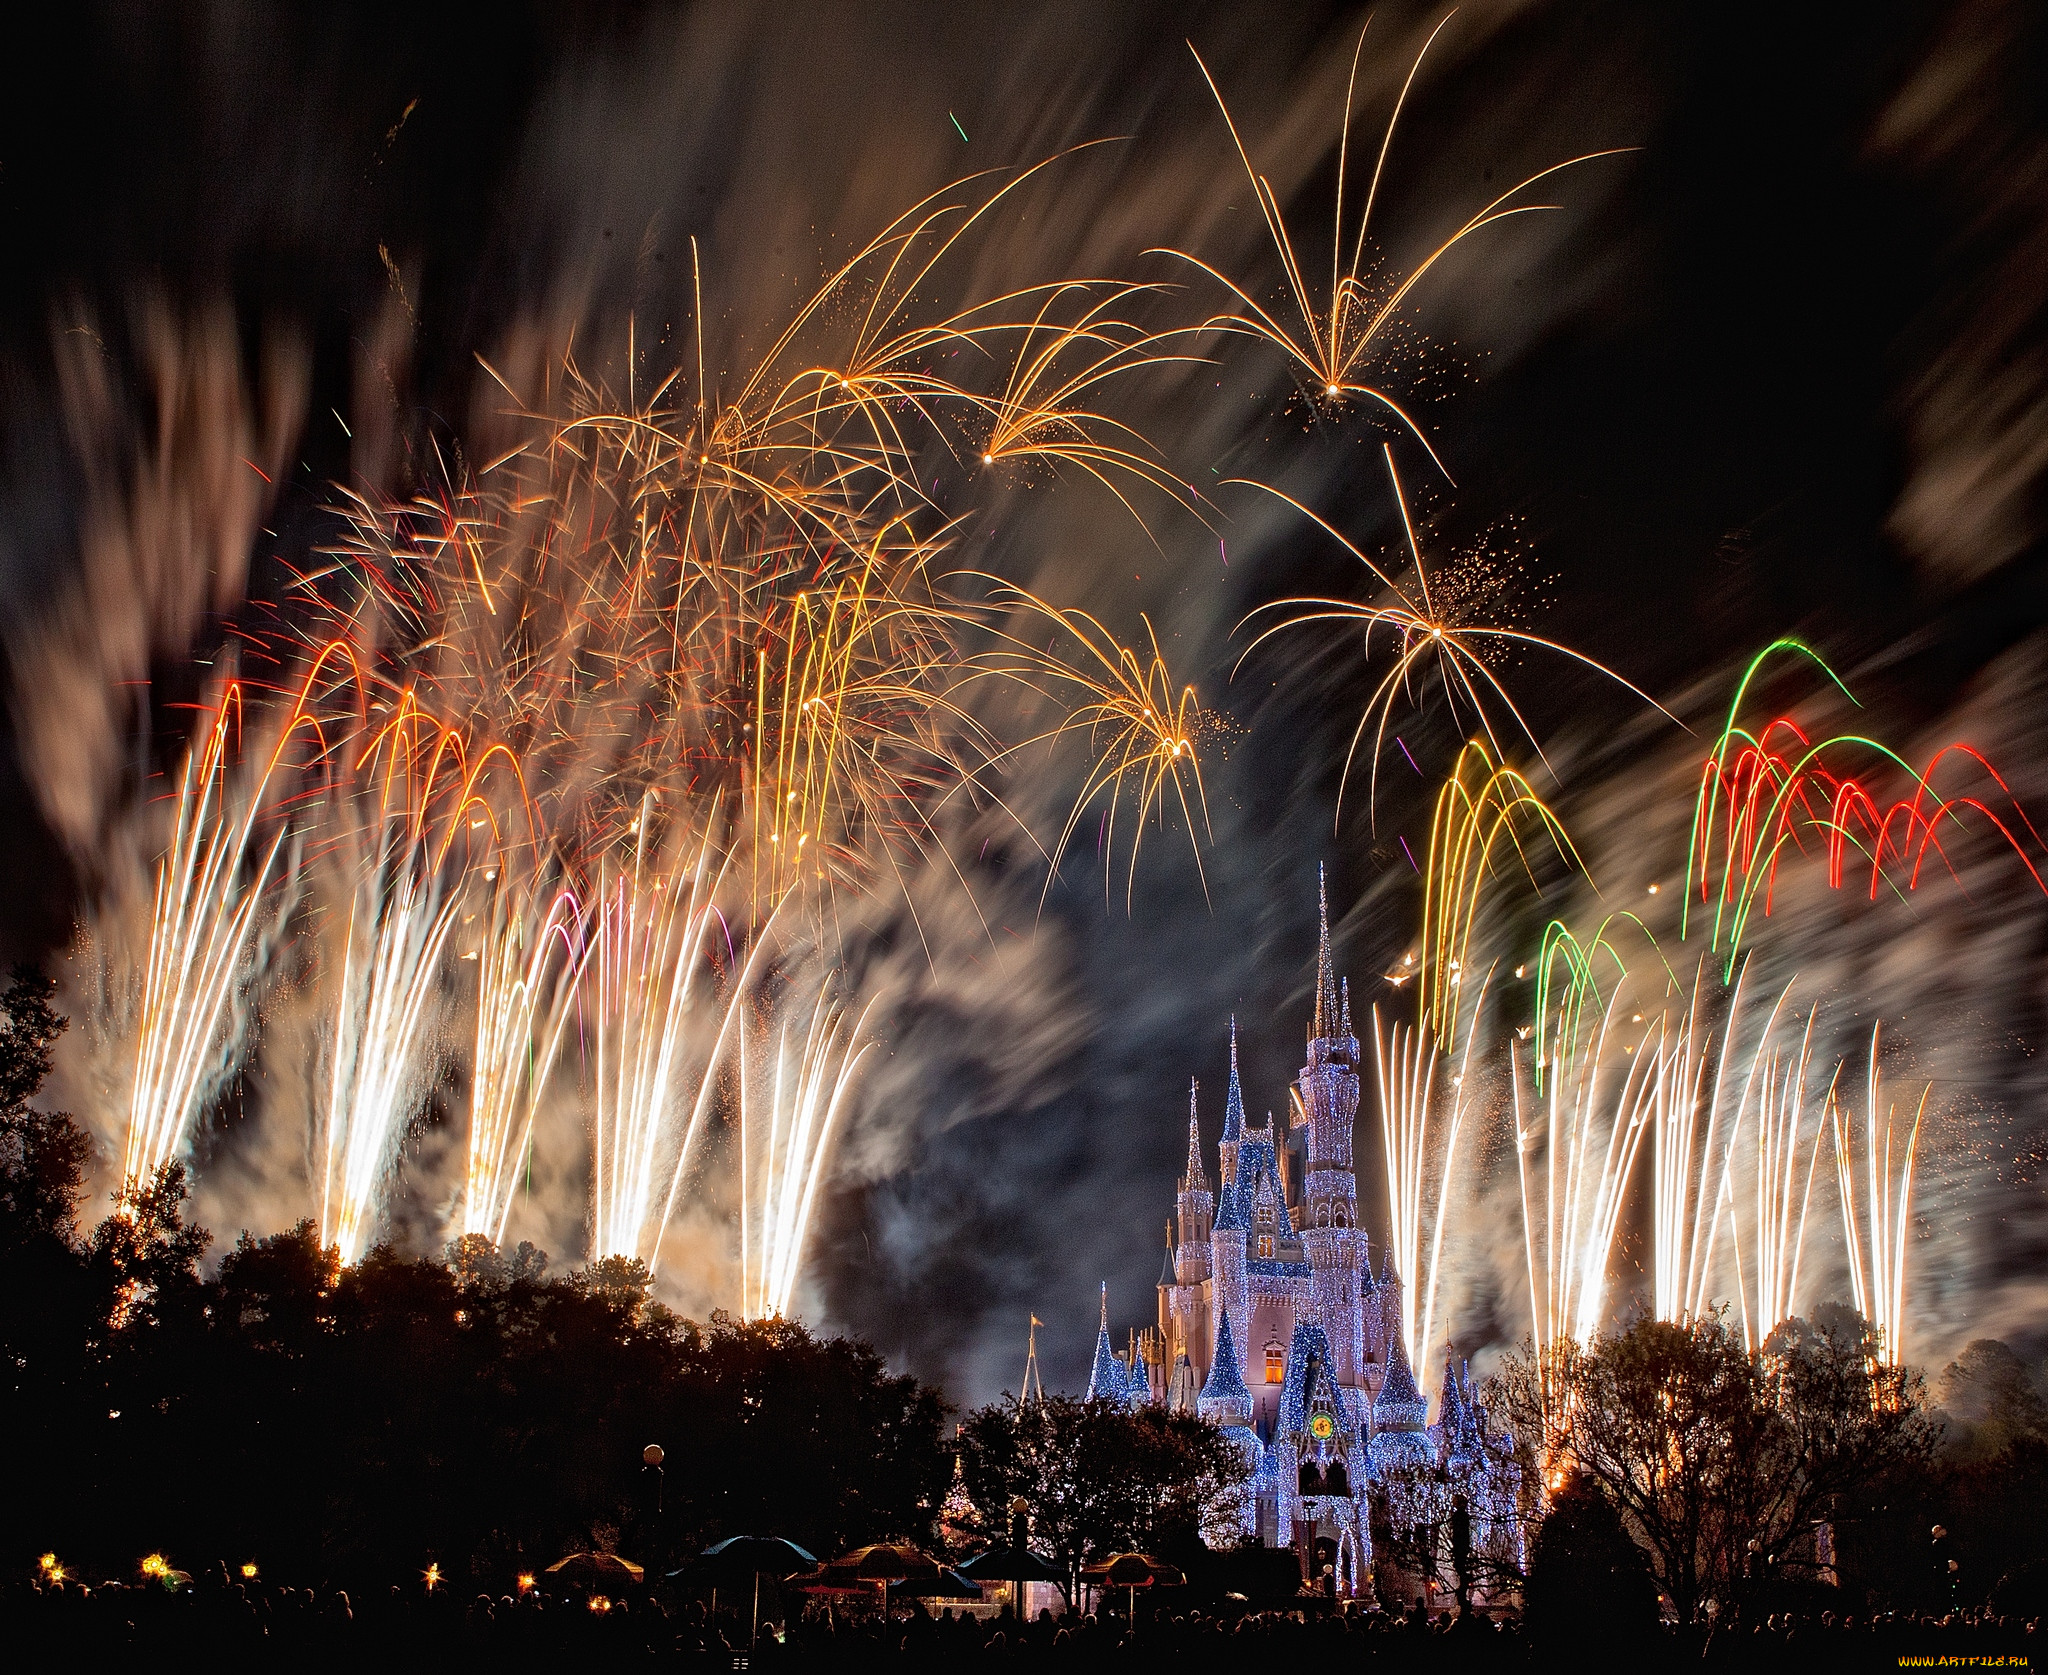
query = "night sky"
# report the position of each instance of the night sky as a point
(1778, 368)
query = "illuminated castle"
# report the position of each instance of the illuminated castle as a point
(1273, 1326)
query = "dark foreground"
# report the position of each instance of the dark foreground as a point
(239, 1625)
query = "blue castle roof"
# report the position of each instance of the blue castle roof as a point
(1225, 1382)
(1399, 1405)
(1106, 1380)
(1309, 1350)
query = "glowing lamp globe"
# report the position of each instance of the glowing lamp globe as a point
(653, 1454)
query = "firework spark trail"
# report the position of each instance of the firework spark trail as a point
(1593, 1125)
(405, 809)
(1425, 632)
(1404, 1065)
(531, 960)
(396, 934)
(664, 1016)
(1874, 1235)
(1335, 338)
(1145, 732)
(1681, 1157)
(1778, 1199)
(212, 914)
(1478, 807)
(784, 1148)
(1418, 1150)
(208, 918)
(1774, 790)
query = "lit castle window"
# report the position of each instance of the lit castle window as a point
(1276, 1361)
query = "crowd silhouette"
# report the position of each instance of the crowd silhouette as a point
(247, 1622)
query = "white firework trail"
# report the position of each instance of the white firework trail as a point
(660, 996)
(1780, 1190)
(1420, 1147)
(1591, 1126)
(208, 922)
(789, 1109)
(397, 932)
(530, 963)
(1874, 1234)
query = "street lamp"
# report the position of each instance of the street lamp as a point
(652, 1478)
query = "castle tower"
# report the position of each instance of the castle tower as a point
(1233, 1119)
(1225, 1400)
(1230, 1291)
(1107, 1380)
(1171, 1307)
(1328, 1091)
(1197, 1207)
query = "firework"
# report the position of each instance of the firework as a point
(1780, 1190)
(1429, 637)
(212, 904)
(1419, 1145)
(406, 812)
(1482, 805)
(1874, 1232)
(792, 1094)
(1333, 339)
(1681, 1151)
(1778, 791)
(529, 961)
(664, 1012)
(1590, 1123)
(703, 593)
(217, 900)
(1145, 732)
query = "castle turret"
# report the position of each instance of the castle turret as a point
(1225, 1400)
(1107, 1380)
(1457, 1434)
(1327, 1091)
(1233, 1120)
(1400, 1441)
(1230, 1293)
(1197, 1207)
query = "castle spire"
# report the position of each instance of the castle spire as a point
(1326, 1023)
(1194, 1180)
(1233, 1105)
(1106, 1378)
(1344, 1023)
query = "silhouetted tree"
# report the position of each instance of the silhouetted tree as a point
(354, 1423)
(1098, 1477)
(1589, 1583)
(1722, 1462)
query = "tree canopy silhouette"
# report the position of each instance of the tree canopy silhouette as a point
(358, 1423)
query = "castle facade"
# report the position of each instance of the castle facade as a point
(1273, 1325)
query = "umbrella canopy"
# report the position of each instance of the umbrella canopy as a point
(1132, 1570)
(742, 1556)
(948, 1584)
(596, 1567)
(865, 1567)
(1004, 1563)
